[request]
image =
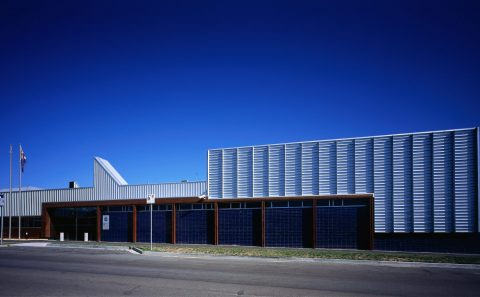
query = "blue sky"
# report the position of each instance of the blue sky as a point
(151, 87)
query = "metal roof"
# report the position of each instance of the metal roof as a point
(111, 171)
(108, 184)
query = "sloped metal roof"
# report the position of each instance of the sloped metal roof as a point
(111, 171)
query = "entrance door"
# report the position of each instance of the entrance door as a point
(74, 222)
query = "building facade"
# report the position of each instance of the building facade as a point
(416, 191)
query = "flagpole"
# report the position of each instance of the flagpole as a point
(20, 191)
(10, 199)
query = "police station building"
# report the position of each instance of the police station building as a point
(413, 192)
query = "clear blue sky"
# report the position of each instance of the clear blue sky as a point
(151, 87)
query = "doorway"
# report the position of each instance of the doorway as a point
(74, 222)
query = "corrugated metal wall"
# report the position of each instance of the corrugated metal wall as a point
(402, 183)
(105, 188)
(245, 172)
(276, 170)
(309, 168)
(423, 182)
(383, 188)
(260, 172)
(327, 155)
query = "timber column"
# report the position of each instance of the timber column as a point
(263, 223)
(215, 222)
(99, 224)
(134, 223)
(314, 223)
(174, 223)
(46, 223)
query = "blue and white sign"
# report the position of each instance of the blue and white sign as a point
(105, 222)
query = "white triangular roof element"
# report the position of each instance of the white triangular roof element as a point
(112, 172)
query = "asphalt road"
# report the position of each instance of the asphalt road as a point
(36, 271)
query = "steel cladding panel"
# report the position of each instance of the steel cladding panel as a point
(402, 184)
(229, 173)
(443, 181)
(465, 180)
(260, 171)
(276, 170)
(310, 168)
(215, 170)
(364, 166)
(327, 167)
(383, 184)
(346, 167)
(245, 172)
(293, 169)
(422, 183)
(166, 190)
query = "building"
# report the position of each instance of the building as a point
(415, 191)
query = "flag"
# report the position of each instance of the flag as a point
(23, 158)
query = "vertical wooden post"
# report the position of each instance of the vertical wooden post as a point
(215, 227)
(263, 223)
(46, 223)
(174, 224)
(99, 224)
(134, 224)
(372, 226)
(314, 223)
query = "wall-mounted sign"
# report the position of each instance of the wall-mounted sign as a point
(105, 222)
(151, 199)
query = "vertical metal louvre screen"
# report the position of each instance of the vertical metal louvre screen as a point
(402, 184)
(260, 172)
(245, 172)
(310, 169)
(443, 182)
(293, 170)
(422, 182)
(465, 178)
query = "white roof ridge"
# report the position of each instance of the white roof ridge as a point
(111, 171)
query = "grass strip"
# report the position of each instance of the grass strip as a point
(315, 253)
(294, 252)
